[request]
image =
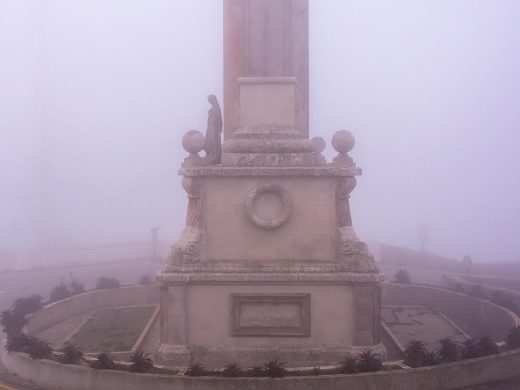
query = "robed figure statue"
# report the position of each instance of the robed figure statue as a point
(213, 142)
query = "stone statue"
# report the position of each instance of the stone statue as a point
(213, 142)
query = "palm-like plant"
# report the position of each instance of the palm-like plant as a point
(12, 322)
(141, 362)
(448, 351)
(415, 353)
(275, 369)
(348, 365)
(71, 354)
(368, 361)
(103, 362)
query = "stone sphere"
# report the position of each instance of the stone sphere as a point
(193, 141)
(343, 141)
(318, 144)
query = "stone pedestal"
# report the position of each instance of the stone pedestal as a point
(268, 267)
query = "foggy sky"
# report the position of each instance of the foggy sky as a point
(96, 95)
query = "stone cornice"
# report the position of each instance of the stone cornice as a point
(270, 171)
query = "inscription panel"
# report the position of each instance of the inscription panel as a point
(270, 315)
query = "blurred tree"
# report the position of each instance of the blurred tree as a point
(423, 233)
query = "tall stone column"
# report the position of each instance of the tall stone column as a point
(265, 39)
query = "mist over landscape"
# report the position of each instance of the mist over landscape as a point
(96, 96)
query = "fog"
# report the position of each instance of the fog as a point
(96, 95)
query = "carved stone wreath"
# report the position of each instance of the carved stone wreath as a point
(264, 223)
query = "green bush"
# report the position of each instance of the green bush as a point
(368, 361)
(448, 351)
(415, 353)
(59, 292)
(274, 369)
(38, 349)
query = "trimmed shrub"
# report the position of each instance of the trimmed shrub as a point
(487, 346)
(17, 343)
(402, 277)
(29, 305)
(256, 372)
(232, 371)
(59, 292)
(348, 365)
(76, 287)
(470, 349)
(12, 323)
(195, 370)
(513, 338)
(448, 351)
(38, 349)
(145, 279)
(415, 353)
(107, 283)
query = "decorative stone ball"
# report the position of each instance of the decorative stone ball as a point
(193, 141)
(343, 141)
(318, 144)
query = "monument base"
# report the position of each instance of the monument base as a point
(248, 318)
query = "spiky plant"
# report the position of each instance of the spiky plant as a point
(71, 354)
(349, 365)
(487, 346)
(103, 362)
(448, 350)
(369, 361)
(195, 370)
(232, 371)
(513, 338)
(415, 353)
(275, 369)
(141, 362)
(38, 349)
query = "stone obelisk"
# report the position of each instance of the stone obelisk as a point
(268, 265)
(265, 38)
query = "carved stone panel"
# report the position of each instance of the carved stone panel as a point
(268, 206)
(266, 315)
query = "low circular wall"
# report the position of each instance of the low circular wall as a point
(449, 376)
(476, 316)
(91, 300)
(457, 375)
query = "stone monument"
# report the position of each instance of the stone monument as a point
(268, 265)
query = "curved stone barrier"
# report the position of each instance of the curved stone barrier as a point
(475, 316)
(458, 375)
(91, 300)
